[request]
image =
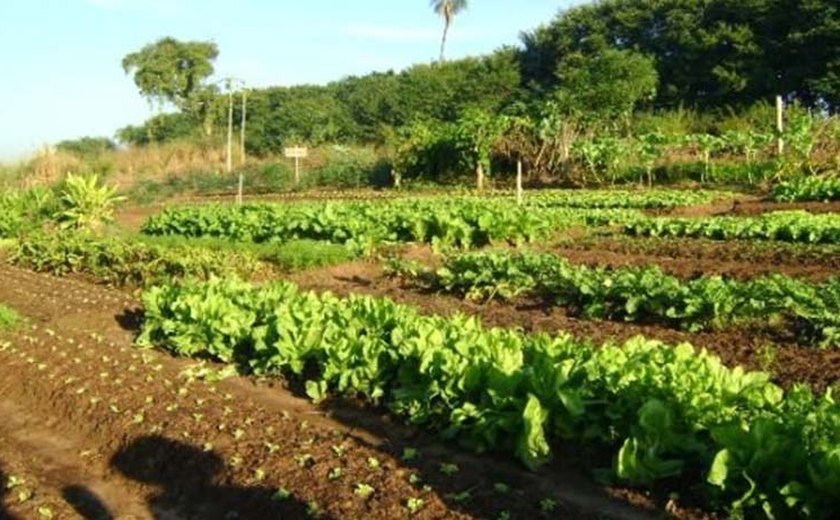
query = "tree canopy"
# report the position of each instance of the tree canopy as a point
(707, 53)
(172, 71)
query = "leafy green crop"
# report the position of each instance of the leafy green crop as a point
(663, 411)
(811, 188)
(450, 222)
(126, 263)
(642, 293)
(786, 226)
(24, 210)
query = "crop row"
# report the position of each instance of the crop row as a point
(786, 226)
(452, 222)
(666, 413)
(121, 262)
(623, 199)
(811, 188)
(641, 293)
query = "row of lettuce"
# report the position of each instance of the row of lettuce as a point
(639, 294)
(814, 188)
(469, 222)
(667, 414)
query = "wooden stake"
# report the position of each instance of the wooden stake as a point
(780, 125)
(229, 151)
(519, 182)
(242, 148)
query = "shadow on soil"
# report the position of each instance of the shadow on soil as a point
(86, 503)
(3, 492)
(188, 482)
(485, 485)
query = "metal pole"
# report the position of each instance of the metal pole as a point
(519, 182)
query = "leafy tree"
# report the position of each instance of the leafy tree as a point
(707, 52)
(447, 9)
(172, 71)
(607, 86)
(478, 132)
(158, 129)
(86, 146)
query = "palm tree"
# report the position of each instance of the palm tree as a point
(447, 9)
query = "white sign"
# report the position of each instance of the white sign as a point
(297, 152)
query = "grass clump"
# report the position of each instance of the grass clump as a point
(8, 317)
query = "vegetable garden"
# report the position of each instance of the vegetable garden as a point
(497, 363)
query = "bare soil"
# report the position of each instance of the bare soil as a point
(97, 428)
(747, 206)
(688, 258)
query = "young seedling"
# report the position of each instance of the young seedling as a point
(548, 505)
(364, 490)
(410, 454)
(449, 469)
(335, 474)
(373, 463)
(415, 505)
(305, 460)
(313, 510)
(501, 488)
(281, 495)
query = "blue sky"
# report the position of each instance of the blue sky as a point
(60, 59)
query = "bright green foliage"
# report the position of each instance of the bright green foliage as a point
(664, 411)
(623, 199)
(644, 293)
(24, 210)
(8, 317)
(446, 221)
(786, 226)
(451, 222)
(127, 263)
(606, 87)
(811, 188)
(85, 204)
(171, 70)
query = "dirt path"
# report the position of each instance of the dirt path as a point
(100, 429)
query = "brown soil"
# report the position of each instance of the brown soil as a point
(747, 205)
(689, 257)
(100, 429)
(685, 265)
(759, 207)
(788, 361)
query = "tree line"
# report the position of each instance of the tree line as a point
(599, 68)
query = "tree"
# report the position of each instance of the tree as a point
(447, 9)
(173, 71)
(478, 132)
(607, 86)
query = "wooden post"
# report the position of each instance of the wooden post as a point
(519, 181)
(297, 170)
(242, 148)
(229, 151)
(242, 127)
(780, 125)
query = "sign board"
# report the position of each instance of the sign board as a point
(297, 152)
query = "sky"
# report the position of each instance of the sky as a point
(60, 72)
